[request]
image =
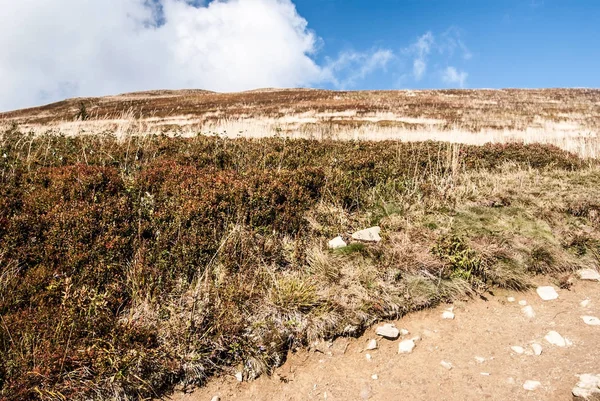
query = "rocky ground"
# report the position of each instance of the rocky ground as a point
(538, 345)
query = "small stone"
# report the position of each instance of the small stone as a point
(484, 373)
(511, 299)
(239, 376)
(216, 398)
(555, 339)
(336, 243)
(368, 235)
(372, 344)
(537, 348)
(531, 385)
(365, 393)
(446, 365)
(589, 274)
(480, 359)
(522, 302)
(517, 349)
(585, 303)
(528, 311)
(448, 315)
(547, 293)
(587, 386)
(404, 332)
(368, 356)
(591, 320)
(374, 377)
(510, 380)
(406, 346)
(388, 331)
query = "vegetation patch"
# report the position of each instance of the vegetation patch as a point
(130, 266)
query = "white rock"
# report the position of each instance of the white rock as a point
(587, 386)
(388, 330)
(480, 359)
(239, 376)
(517, 349)
(336, 243)
(404, 332)
(591, 320)
(510, 380)
(448, 315)
(374, 377)
(547, 293)
(585, 303)
(555, 339)
(368, 356)
(537, 348)
(368, 235)
(216, 398)
(522, 302)
(484, 373)
(531, 385)
(406, 346)
(528, 311)
(589, 274)
(371, 345)
(446, 365)
(511, 299)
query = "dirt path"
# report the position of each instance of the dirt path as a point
(481, 329)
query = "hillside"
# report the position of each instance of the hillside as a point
(133, 263)
(569, 118)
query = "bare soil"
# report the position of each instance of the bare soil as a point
(482, 328)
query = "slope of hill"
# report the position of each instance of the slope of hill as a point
(568, 118)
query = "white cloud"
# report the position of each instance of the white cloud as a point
(63, 48)
(420, 51)
(452, 76)
(351, 66)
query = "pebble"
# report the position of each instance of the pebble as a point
(448, 315)
(585, 303)
(511, 299)
(587, 386)
(372, 345)
(589, 274)
(336, 243)
(216, 398)
(556, 339)
(404, 332)
(446, 365)
(239, 376)
(510, 380)
(517, 349)
(484, 373)
(547, 293)
(365, 393)
(480, 359)
(388, 331)
(369, 234)
(537, 348)
(522, 302)
(591, 320)
(368, 356)
(406, 346)
(374, 377)
(528, 311)
(531, 385)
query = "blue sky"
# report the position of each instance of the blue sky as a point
(57, 49)
(513, 43)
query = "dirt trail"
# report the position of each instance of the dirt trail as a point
(484, 329)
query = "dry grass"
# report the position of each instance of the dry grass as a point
(161, 260)
(567, 118)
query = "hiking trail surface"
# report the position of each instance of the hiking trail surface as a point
(488, 351)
